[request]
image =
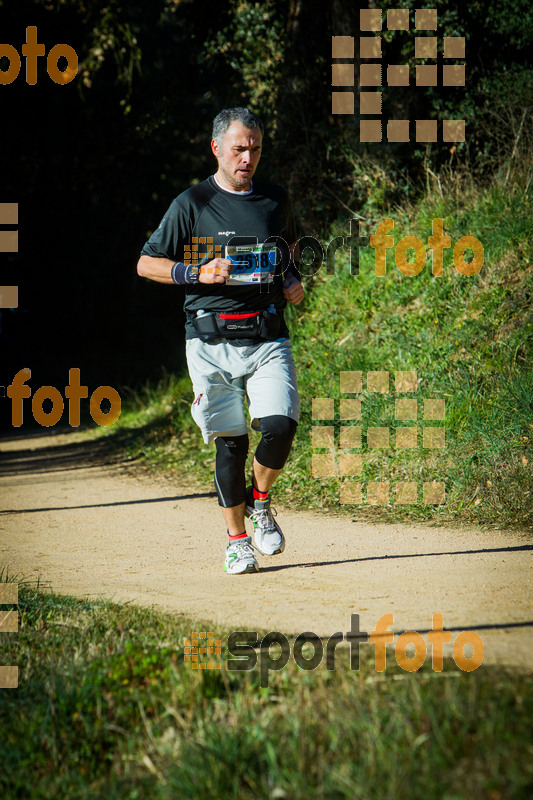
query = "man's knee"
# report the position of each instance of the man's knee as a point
(278, 427)
(275, 445)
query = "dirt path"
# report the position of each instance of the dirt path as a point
(88, 529)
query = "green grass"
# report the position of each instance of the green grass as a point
(470, 339)
(107, 707)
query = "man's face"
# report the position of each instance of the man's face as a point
(238, 155)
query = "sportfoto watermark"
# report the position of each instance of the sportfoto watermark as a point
(74, 391)
(244, 645)
(31, 50)
(203, 248)
(380, 242)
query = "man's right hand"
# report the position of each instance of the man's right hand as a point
(215, 271)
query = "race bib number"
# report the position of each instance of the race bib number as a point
(251, 263)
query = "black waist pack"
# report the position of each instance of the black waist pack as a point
(240, 325)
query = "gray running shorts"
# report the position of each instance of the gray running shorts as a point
(224, 374)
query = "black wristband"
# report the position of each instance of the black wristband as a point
(178, 273)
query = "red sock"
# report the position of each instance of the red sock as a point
(257, 495)
(238, 536)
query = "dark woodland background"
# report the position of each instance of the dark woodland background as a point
(95, 163)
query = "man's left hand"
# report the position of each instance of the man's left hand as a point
(293, 291)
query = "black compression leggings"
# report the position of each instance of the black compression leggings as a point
(272, 452)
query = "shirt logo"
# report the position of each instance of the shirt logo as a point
(225, 233)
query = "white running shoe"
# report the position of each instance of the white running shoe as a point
(268, 536)
(240, 557)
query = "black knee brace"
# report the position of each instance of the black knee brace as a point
(230, 463)
(275, 445)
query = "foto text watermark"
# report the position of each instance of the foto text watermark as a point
(18, 390)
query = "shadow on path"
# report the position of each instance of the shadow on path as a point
(192, 496)
(519, 548)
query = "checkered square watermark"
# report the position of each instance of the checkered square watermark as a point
(201, 247)
(9, 623)
(376, 76)
(202, 644)
(347, 465)
(9, 243)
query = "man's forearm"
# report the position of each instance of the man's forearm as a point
(157, 269)
(163, 270)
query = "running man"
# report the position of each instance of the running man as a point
(219, 239)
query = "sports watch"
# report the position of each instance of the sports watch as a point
(193, 274)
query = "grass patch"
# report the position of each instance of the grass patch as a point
(106, 707)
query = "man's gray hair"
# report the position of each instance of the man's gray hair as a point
(223, 120)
